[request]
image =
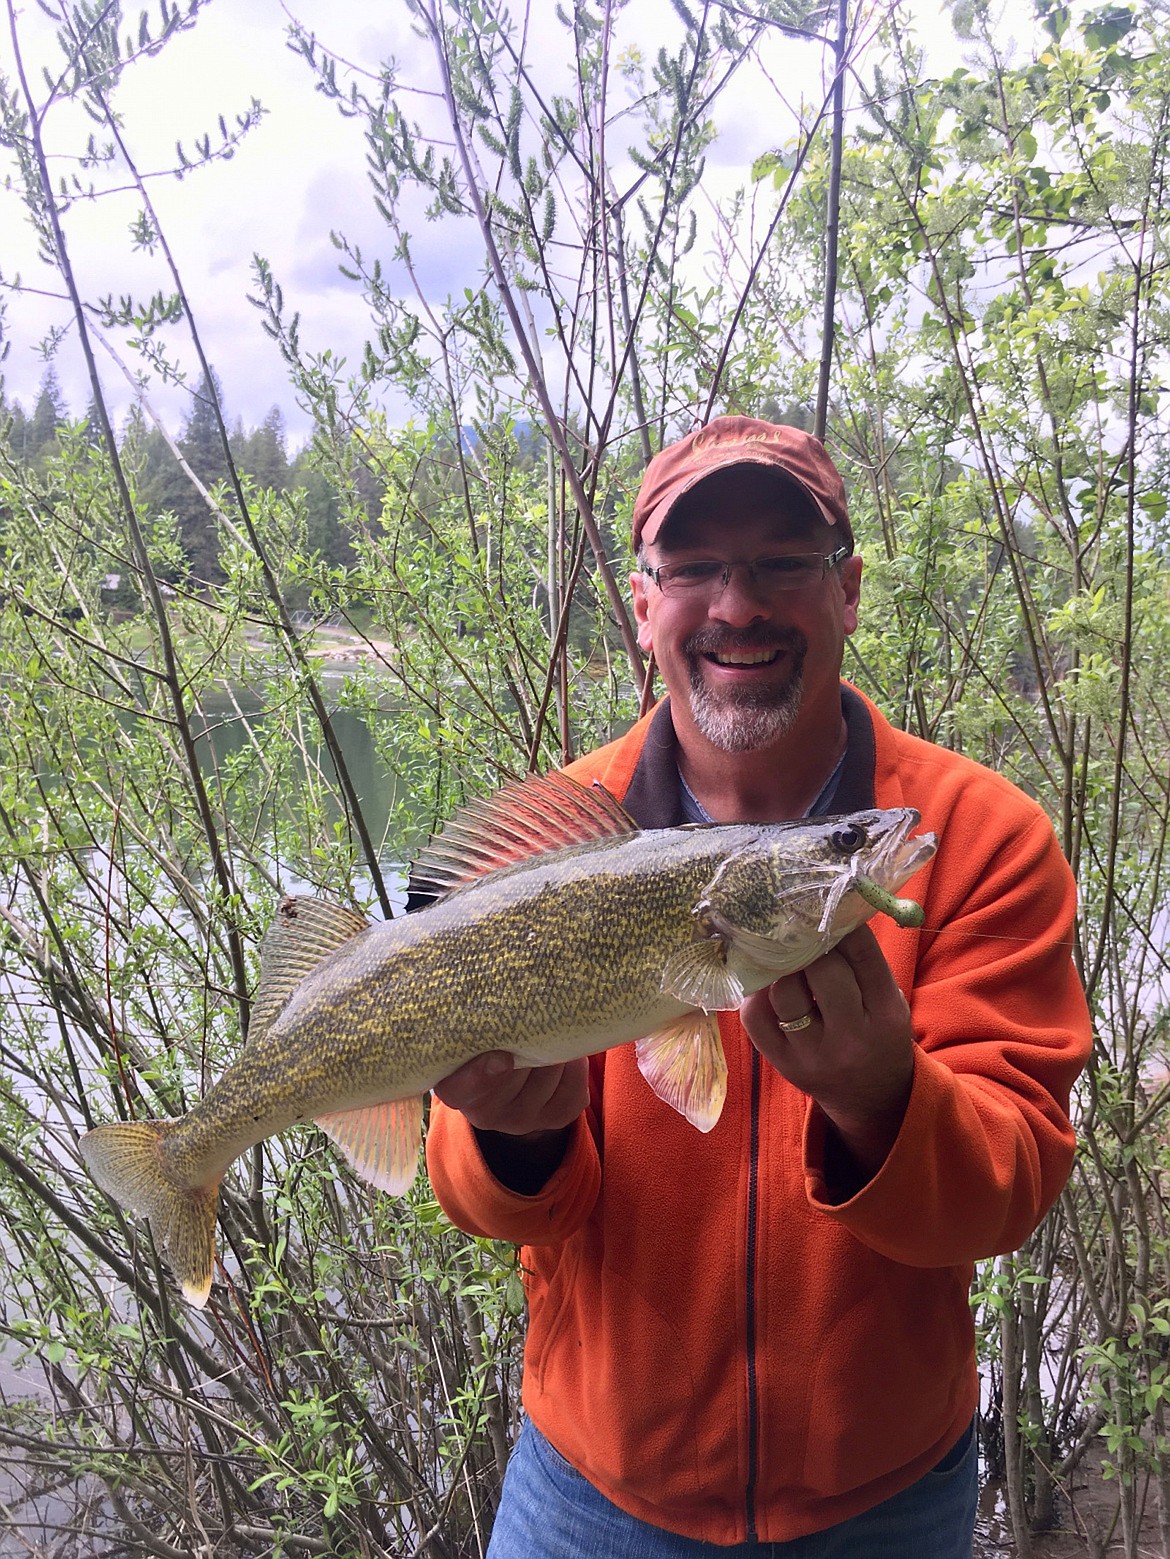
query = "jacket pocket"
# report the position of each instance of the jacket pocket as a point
(892, 1376)
(553, 1274)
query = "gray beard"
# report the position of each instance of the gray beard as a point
(750, 720)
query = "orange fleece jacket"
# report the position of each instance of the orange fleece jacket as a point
(718, 1347)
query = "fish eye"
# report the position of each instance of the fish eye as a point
(848, 840)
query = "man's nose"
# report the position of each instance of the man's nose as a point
(742, 599)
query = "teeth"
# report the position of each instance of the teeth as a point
(745, 658)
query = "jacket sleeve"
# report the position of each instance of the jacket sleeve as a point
(1002, 1031)
(478, 1203)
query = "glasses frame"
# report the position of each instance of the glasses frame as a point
(828, 561)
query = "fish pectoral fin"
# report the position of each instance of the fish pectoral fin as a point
(698, 974)
(380, 1141)
(303, 931)
(685, 1065)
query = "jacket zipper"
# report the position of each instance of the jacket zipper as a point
(752, 1236)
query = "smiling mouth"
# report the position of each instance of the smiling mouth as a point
(744, 657)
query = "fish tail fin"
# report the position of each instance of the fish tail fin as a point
(127, 1162)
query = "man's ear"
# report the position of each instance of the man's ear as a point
(641, 610)
(851, 569)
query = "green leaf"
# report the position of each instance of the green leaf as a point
(1109, 26)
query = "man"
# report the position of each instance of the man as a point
(759, 1340)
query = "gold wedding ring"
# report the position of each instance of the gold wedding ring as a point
(795, 1026)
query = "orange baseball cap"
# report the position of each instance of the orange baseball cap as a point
(736, 441)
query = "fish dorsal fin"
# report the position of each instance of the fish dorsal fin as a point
(380, 1141)
(303, 932)
(685, 1065)
(531, 817)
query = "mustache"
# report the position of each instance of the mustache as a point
(757, 636)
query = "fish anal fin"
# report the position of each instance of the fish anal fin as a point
(698, 974)
(304, 931)
(684, 1064)
(127, 1162)
(379, 1141)
(531, 817)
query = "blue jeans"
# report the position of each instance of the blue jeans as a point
(549, 1511)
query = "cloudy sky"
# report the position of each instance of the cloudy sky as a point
(297, 175)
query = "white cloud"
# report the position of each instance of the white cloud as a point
(298, 174)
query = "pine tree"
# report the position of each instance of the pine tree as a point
(14, 430)
(263, 453)
(49, 414)
(93, 425)
(202, 449)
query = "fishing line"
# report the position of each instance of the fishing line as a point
(989, 936)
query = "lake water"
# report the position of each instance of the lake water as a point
(231, 721)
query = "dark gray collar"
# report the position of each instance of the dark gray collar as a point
(653, 799)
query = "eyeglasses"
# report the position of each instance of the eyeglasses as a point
(709, 577)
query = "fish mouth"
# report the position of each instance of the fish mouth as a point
(896, 856)
(887, 861)
(807, 896)
(889, 858)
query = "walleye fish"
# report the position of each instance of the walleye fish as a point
(559, 929)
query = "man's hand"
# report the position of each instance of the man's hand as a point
(856, 1058)
(521, 1114)
(497, 1095)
